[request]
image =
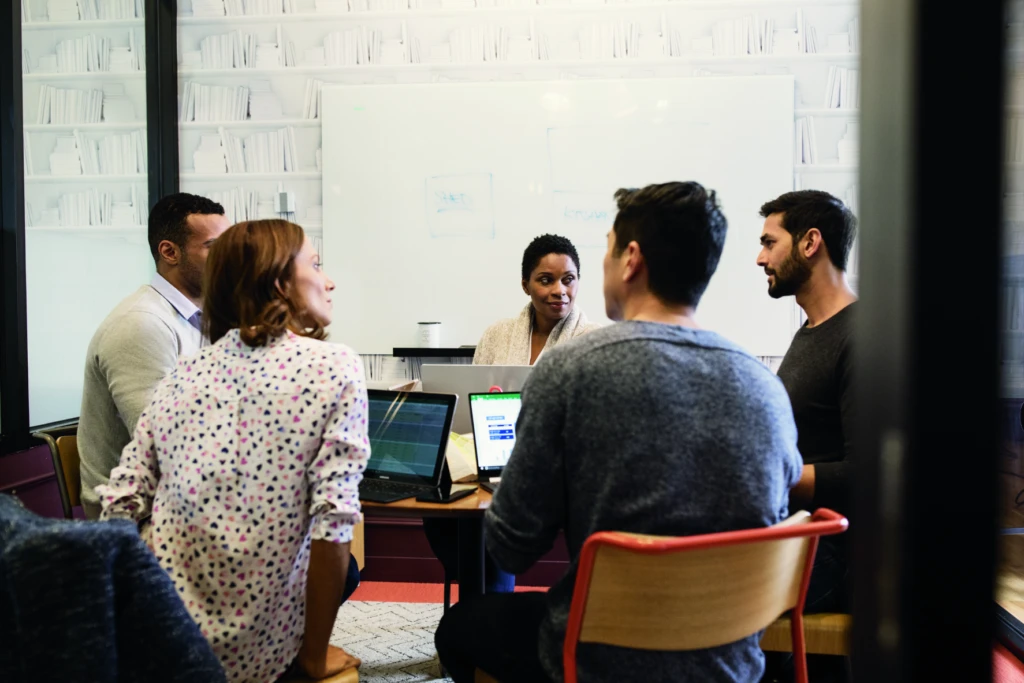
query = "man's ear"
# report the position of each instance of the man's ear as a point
(811, 243)
(169, 252)
(634, 261)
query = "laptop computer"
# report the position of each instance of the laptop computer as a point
(494, 433)
(408, 437)
(464, 380)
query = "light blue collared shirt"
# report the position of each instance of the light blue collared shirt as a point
(185, 308)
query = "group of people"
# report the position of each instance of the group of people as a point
(215, 417)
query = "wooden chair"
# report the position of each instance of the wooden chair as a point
(695, 592)
(63, 443)
(824, 634)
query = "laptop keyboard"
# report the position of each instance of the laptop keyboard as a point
(382, 491)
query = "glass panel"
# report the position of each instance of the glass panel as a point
(85, 184)
(1010, 590)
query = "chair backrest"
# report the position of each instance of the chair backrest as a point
(63, 444)
(695, 592)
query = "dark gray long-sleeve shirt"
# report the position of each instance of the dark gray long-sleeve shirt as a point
(645, 428)
(817, 373)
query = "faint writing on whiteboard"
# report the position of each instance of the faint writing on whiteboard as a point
(583, 217)
(460, 205)
(452, 201)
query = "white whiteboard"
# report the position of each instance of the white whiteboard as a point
(431, 193)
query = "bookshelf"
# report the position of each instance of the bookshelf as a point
(86, 181)
(424, 41)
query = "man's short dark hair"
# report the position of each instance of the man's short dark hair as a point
(681, 231)
(544, 245)
(806, 209)
(168, 219)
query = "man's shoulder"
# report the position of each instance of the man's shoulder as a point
(142, 314)
(608, 339)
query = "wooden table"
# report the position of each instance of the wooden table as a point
(468, 512)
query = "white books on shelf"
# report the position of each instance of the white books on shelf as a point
(235, 50)
(27, 153)
(806, 142)
(201, 102)
(842, 89)
(311, 105)
(268, 152)
(62, 106)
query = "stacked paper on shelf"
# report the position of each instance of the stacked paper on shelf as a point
(123, 214)
(47, 64)
(268, 56)
(209, 157)
(65, 158)
(62, 10)
(85, 53)
(208, 8)
(264, 105)
(849, 145)
(122, 59)
(117, 108)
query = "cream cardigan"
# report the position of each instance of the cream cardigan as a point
(507, 342)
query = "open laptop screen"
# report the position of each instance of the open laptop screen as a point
(408, 435)
(494, 429)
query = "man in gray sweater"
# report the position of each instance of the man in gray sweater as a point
(139, 343)
(650, 426)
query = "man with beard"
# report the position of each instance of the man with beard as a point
(805, 246)
(139, 343)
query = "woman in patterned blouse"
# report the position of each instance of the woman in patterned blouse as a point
(244, 470)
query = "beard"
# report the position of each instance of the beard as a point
(191, 275)
(790, 276)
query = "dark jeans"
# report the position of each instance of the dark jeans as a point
(496, 633)
(351, 579)
(827, 592)
(443, 537)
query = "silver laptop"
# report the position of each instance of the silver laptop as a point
(464, 380)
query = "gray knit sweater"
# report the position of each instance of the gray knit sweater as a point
(645, 428)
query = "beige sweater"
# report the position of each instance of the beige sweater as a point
(137, 345)
(507, 342)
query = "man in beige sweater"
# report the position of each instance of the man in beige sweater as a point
(139, 343)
